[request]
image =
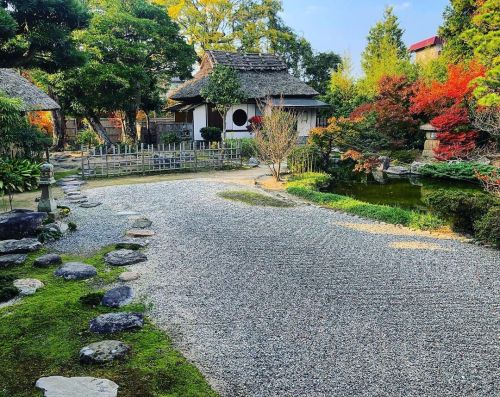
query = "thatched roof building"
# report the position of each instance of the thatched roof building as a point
(16, 86)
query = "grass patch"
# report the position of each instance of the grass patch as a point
(43, 334)
(63, 174)
(254, 198)
(306, 186)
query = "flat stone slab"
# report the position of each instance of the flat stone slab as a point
(132, 244)
(137, 233)
(115, 322)
(84, 386)
(90, 204)
(118, 296)
(141, 223)
(397, 170)
(73, 193)
(12, 260)
(124, 257)
(78, 200)
(27, 286)
(128, 276)
(76, 271)
(47, 260)
(19, 246)
(77, 197)
(103, 352)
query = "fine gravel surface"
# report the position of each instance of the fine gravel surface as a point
(298, 302)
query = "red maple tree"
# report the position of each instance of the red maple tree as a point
(445, 105)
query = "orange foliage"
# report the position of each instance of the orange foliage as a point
(42, 120)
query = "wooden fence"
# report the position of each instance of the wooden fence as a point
(120, 160)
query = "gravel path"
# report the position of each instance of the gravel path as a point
(299, 302)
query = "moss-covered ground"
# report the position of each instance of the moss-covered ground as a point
(254, 198)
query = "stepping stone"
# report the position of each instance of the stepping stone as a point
(137, 233)
(82, 386)
(78, 201)
(118, 296)
(141, 223)
(132, 244)
(128, 276)
(90, 204)
(72, 183)
(12, 260)
(19, 246)
(116, 322)
(47, 260)
(103, 352)
(27, 286)
(77, 197)
(69, 179)
(73, 193)
(124, 257)
(76, 271)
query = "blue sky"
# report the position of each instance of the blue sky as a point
(342, 25)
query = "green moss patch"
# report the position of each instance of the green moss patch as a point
(43, 334)
(254, 198)
(306, 186)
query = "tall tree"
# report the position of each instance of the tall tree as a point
(131, 44)
(319, 68)
(38, 33)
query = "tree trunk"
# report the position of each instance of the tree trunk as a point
(96, 125)
(148, 128)
(130, 129)
(59, 119)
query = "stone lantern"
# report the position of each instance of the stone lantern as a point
(47, 203)
(431, 141)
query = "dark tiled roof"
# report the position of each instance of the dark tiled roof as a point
(247, 62)
(16, 86)
(254, 84)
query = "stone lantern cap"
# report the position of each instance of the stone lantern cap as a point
(428, 127)
(47, 174)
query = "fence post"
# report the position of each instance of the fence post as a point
(83, 163)
(195, 157)
(142, 156)
(107, 163)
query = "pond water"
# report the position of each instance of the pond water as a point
(405, 192)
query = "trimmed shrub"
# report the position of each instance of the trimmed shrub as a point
(456, 170)
(248, 146)
(304, 158)
(462, 208)
(170, 138)
(7, 289)
(211, 134)
(487, 228)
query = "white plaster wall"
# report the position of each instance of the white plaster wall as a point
(306, 120)
(230, 126)
(199, 120)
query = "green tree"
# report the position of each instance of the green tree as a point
(38, 33)
(131, 45)
(223, 90)
(319, 68)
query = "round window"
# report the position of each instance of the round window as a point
(240, 117)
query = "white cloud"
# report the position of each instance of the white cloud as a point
(402, 6)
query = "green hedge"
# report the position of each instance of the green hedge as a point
(455, 170)
(306, 186)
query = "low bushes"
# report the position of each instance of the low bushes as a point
(456, 170)
(211, 134)
(305, 158)
(306, 186)
(471, 212)
(7, 289)
(248, 146)
(254, 198)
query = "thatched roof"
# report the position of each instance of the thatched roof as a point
(16, 86)
(260, 75)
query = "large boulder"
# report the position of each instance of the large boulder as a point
(27, 286)
(118, 296)
(17, 224)
(397, 170)
(116, 322)
(83, 386)
(47, 260)
(12, 260)
(19, 246)
(103, 352)
(124, 257)
(76, 271)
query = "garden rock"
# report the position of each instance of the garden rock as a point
(253, 162)
(84, 386)
(90, 205)
(385, 163)
(124, 257)
(12, 260)
(141, 223)
(27, 286)
(397, 170)
(47, 260)
(140, 233)
(103, 352)
(132, 244)
(76, 271)
(415, 167)
(19, 246)
(118, 296)
(20, 223)
(128, 276)
(116, 322)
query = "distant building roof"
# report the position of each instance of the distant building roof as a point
(431, 41)
(260, 75)
(16, 86)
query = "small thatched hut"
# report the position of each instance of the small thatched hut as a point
(16, 86)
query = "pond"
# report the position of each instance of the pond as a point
(405, 192)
